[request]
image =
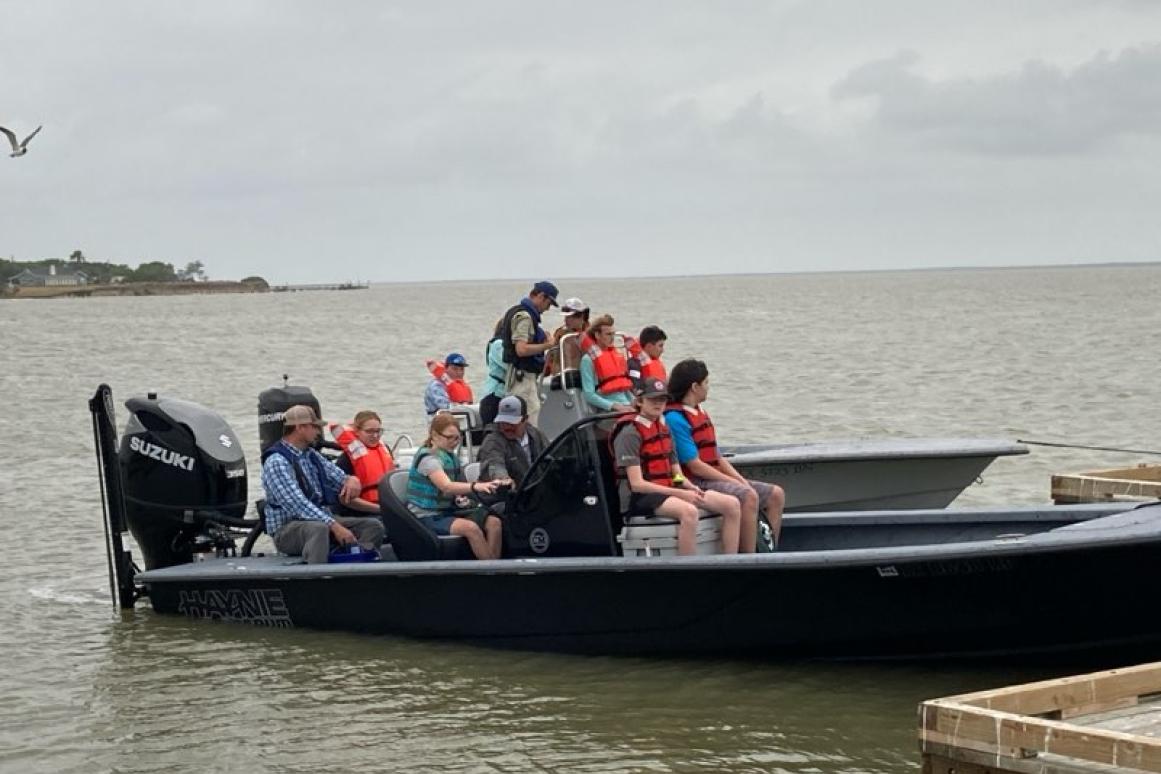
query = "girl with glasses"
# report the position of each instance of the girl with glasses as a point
(439, 497)
(365, 457)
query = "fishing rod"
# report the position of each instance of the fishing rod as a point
(1085, 446)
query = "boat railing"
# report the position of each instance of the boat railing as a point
(399, 439)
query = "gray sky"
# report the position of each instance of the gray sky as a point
(435, 140)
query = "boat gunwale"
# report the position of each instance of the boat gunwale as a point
(1052, 541)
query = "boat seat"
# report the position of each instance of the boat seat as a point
(472, 472)
(646, 534)
(569, 380)
(653, 520)
(412, 541)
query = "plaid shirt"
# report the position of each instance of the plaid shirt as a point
(435, 397)
(285, 501)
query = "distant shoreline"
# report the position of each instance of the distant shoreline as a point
(168, 289)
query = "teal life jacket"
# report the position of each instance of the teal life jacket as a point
(423, 494)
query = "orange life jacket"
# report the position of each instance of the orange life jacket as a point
(370, 463)
(656, 448)
(458, 391)
(702, 431)
(612, 370)
(650, 367)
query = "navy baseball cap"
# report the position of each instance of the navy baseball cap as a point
(455, 358)
(548, 289)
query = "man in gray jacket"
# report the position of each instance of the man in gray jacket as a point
(509, 451)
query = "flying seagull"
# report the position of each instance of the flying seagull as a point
(18, 148)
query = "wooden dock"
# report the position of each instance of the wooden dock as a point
(1101, 722)
(1142, 482)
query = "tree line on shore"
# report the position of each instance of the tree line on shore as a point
(106, 272)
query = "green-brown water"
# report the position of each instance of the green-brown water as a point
(1061, 354)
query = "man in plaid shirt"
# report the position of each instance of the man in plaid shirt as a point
(301, 485)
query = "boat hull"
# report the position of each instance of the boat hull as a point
(1005, 596)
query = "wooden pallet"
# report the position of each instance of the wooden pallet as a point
(1140, 483)
(1101, 722)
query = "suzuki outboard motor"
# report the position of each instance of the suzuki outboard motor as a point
(273, 403)
(183, 469)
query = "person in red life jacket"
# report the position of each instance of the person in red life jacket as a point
(649, 476)
(695, 440)
(568, 350)
(650, 345)
(364, 456)
(447, 385)
(605, 380)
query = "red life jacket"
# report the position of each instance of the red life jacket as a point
(656, 448)
(610, 366)
(650, 368)
(369, 463)
(458, 391)
(702, 431)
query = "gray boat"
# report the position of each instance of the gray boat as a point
(824, 476)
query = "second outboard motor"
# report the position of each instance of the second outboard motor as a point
(182, 468)
(273, 403)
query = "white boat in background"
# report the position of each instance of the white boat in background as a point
(871, 475)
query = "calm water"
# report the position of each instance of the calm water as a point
(1061, 354)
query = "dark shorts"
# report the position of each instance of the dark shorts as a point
(645, 503)
(441, 524)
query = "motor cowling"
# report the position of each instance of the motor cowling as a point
(181, 466)
(273, 403)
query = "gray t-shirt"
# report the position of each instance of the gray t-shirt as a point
(626, 453)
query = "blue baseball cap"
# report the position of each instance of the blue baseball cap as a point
(456, 359)
(548, 289)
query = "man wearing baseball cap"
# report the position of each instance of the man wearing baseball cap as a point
(525, 343)
(301, 485)
(508, 451)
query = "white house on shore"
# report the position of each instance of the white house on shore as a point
(32, 278)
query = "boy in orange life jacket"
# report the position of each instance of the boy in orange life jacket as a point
(447, 385)
(650, 345)
(364, 457)
(605, 381)
(650, 480)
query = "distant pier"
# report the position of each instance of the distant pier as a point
(331, 286)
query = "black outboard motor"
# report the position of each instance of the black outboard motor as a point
(273, 403)
(184, 477)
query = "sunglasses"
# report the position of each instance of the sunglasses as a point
(375, 431)
(450, 437)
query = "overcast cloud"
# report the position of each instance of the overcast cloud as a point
(432, 140)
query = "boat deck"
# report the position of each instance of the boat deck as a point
(1102, 722)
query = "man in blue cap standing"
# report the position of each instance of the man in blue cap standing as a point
(525, 343)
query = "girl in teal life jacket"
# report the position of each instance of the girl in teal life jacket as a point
(437, 494)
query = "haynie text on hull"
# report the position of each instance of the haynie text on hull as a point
(853, 584)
